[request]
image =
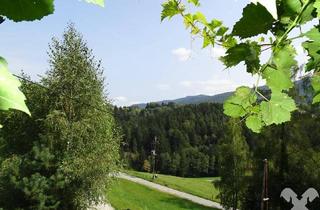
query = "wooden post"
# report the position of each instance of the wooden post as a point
(264, 196)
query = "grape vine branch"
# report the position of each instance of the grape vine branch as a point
(246, 41)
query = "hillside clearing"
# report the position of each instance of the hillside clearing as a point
(128, 195)
(201, 187)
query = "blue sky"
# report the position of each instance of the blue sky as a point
(144, 60)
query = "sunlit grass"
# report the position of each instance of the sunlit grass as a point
(202, 187)
(128, 195)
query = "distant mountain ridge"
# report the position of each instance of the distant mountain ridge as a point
(300, 86)
(219, 98)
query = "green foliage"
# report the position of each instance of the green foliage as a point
(247, 52)
(278, 109)
(316, 87)
(170, 9)
(62, 157)
(292, 151)
(317, 6)
(195, 2)
(233, 162)
(97, 2)
(21, 10)
(255, 20)
(241, 46)
(187, 137)
(28, 10)
(11, 96)
(312, 46)
(238, 104)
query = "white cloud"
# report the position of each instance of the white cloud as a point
(209, 87)
(120, 99)
(217, 52)
(163, 87)
(182, 54)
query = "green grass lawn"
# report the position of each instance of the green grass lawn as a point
(126, 195)
(201, 187)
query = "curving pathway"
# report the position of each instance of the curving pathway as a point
(187, 196)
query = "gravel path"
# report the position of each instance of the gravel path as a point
(168, 190)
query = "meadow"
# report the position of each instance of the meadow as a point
(202, 187)
(128, 195)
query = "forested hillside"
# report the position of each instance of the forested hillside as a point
(187, 137)
(190, 137)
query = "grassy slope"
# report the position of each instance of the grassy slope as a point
(201, 187)
(129, 195)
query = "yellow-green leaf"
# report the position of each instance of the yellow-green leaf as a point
(10, 95)
(97, 2)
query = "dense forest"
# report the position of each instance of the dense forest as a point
(189, 144)
(186, 137)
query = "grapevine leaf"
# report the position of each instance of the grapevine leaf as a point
(200, 17)
(291, 8)
(207, 39)
(317, 6)
(214, 24)
(270, 5)
(315, 82)
(1, 19)
(307, 14)
(26, 10)
(313, 34)
(237, 104)
(10, 95)
(255, 20)
(313, 52)
(316, 99)
(283, 58)
(97, 2)
(280, 78)
(247, 52)
(170, 8)
(222, 30)
(229, 41)
(254, 122)
(313, 46)
(195, 2)
(277, 80)
(278, 109)
(188, 20)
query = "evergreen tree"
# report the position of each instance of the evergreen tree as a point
(233, 156)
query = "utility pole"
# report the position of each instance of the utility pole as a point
(264, 197)
(154, 154)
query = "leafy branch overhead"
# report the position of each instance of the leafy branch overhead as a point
(29, 10)
(265, 25)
